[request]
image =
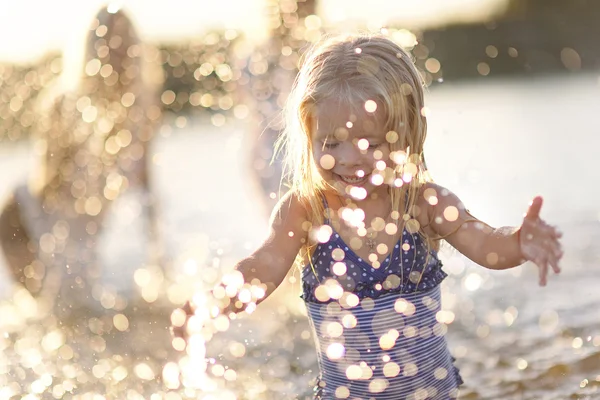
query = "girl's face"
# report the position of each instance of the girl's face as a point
(347, 143)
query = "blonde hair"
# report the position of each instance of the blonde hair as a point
(353, 69)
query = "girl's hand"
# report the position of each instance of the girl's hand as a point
(539, 241)
(179, 321)
(230, 297)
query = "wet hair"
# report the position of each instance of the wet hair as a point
(351, 70)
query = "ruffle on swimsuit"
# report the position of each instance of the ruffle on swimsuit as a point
(401, 272)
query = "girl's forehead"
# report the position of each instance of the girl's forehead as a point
(360, 117)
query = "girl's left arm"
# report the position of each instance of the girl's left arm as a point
(494, 248)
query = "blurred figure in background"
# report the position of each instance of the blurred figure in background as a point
(273, 67)
(92, 143)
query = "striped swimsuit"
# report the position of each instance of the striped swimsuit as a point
(376, 331)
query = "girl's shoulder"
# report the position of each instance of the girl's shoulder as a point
(291, 208)
(430, 194)
(440, 210)
(429, 191)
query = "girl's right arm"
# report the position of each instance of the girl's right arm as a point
(271, 262)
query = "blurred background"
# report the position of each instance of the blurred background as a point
(135, 149)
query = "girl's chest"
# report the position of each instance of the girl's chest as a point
(334, 270)
(336, 259)
(373, 245)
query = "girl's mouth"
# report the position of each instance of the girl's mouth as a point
(353, 179)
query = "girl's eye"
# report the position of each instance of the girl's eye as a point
(374, 145)
(329, 145)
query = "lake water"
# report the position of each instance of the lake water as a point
(496, 143)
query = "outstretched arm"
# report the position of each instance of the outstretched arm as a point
(270, 263)
(264, 269)
(494, 248)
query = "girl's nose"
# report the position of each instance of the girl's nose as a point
(349, 155)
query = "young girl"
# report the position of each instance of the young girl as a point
(366, 220)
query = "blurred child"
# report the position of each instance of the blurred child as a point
(268, 91)
(93, 142)
(365, 221)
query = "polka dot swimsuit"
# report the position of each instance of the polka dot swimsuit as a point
(376, 330)
(408, 269)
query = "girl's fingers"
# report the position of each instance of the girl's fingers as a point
(556, 249)
(543, 266)
(535, 206)
(187, 307)
(552, 253)
(553, 231)
(558, 253)
(540, 241)
(544, 237)
(553, 261)
(178, 331)
(553, 248)
(548, 230)
(557, 233)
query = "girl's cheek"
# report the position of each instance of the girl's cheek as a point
(324, 162)
(317, 155)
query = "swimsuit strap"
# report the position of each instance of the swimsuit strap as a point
(326, 216)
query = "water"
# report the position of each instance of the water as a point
(494, 143)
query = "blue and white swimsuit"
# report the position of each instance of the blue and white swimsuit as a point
(376, 330)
